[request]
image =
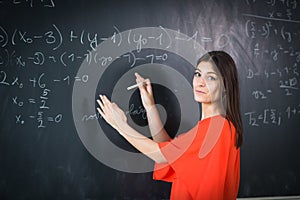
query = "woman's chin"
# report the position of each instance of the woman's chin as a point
(198, 99)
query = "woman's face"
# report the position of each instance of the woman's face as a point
(207, 84)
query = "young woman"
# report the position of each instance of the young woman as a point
(203, 163)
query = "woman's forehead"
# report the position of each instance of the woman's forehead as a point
(206, 66)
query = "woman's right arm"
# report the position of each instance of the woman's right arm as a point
(156, 127)
(158, 132)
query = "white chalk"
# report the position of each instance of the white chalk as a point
(135, 85)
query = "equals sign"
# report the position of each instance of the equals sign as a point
(50, 119)
(206, 39)
(158, 57)
(77, 78)
(260, 116)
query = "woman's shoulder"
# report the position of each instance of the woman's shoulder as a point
(188, 135)
(217, 134)
(219, 120)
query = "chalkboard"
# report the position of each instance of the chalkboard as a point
(57, 56)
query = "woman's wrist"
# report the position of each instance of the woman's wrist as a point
(124, 130)
(121, 127)
(150, 108)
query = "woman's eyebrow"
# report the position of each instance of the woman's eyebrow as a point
(210, 72)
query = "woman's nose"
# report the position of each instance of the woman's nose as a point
(202, 81)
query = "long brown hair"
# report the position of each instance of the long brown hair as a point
(227, 67)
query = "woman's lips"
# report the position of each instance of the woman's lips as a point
(199, 91)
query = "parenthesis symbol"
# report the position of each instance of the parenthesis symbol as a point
(119, 33)
(6, 36)
(95, 57)
(170, 40)
(246, 28)
(62, 60)
(134, 59)
(13, 37)
(128, 38)
(282, 32)
(7, 53)
(60, 37)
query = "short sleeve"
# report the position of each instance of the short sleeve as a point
(163, 171)
(173, 151)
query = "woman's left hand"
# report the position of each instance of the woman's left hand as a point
(111, 113)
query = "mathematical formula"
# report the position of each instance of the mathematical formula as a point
(274, 35)
(272, 116)
(40, 116)
(48, 48)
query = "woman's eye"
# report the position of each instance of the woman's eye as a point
(197, 74)
(211, 78)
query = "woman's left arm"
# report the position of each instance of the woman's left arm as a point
(113, 115)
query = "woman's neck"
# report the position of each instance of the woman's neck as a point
(209, 110)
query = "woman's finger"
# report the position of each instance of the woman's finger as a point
(146, 82)
(105, 100)
(104, 104)
(101, 113)
(102, 108)
(107, 104)
(148, 86)
(139, 78)
(100, 104)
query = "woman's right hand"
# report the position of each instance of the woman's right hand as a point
(145, 91)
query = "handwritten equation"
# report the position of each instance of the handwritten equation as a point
(286, 78)
(271, 116)
(254, 29)
(67, 59)
(53, 42)
(39, 81)
(48, 48)
(274, 35)
(54, 38)
(40, 116)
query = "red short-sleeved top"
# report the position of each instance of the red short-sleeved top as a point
(202, 163)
